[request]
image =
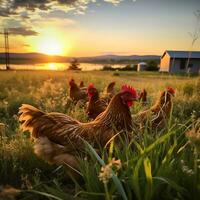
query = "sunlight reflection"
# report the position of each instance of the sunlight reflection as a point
(52, 66)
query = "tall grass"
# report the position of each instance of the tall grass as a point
(162, 165)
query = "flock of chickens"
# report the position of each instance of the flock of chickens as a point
(59, 138)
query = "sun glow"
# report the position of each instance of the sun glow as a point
(51, 42)
(52, 66)
(51, 47)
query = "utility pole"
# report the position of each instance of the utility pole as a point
(7, 49)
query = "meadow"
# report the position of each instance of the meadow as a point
(154, 165)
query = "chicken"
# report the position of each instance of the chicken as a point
(81, 85)
(110, 88)
(109, 91)
(158, 114)
(77, 93)
(61, 133)
(96, 105)
(143, 97)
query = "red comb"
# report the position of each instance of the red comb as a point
(171, 90)
(91, 85)
(127, 88)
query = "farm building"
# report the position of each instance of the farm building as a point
(177, 62)
(141, 66)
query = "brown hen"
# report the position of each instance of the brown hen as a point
(143, 97)
(81, 85)
(109, 91)
(158, 114)
(96, 105)
(60, 135)
(77, 93)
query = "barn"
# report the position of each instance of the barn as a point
(177, 62)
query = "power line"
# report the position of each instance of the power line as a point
(7, 57)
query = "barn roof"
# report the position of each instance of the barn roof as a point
(142, 63)
(182, 54)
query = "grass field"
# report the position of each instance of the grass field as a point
(162, 165)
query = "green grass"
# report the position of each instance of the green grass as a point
(162, 165)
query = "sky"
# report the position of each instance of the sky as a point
(99, 27)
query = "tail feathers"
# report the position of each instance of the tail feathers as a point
(53, 153)
(29, 116)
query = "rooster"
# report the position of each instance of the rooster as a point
(159, 113)
(96, 105)
(76, 93)
(60, 137)
(143, 97)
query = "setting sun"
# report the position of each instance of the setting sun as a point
(51, 46)
(52, 66)
(51, 42)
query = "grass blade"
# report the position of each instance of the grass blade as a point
(115, 179)
(147, 170)
(136, 184)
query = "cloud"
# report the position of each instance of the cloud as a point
(14, 7)
(115, 2)
(24, 31)
(19, 16)
(10, 7)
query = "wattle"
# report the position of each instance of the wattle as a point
(129, 103)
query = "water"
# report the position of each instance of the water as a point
(58, 66)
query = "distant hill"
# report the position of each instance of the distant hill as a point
(39, 57)
(32, 57)
(120, 58)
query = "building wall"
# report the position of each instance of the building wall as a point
(196, 66)
(165, 63)
(141, 67)
(175, 66)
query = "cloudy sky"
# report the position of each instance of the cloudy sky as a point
(96, 27)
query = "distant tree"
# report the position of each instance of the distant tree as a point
(108, 68)
(134, 67)
(74, 65)
(128, 67)
(152, 66)
(195, 35)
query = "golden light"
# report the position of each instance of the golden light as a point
(51, 42)
(50, 46)
(52, 66)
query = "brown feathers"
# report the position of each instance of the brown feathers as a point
(109, 91)
(76, 93)
(158, 114)
(143, 97)
(64, 130)
(96, 105)
(53, 153)
(60, 137)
